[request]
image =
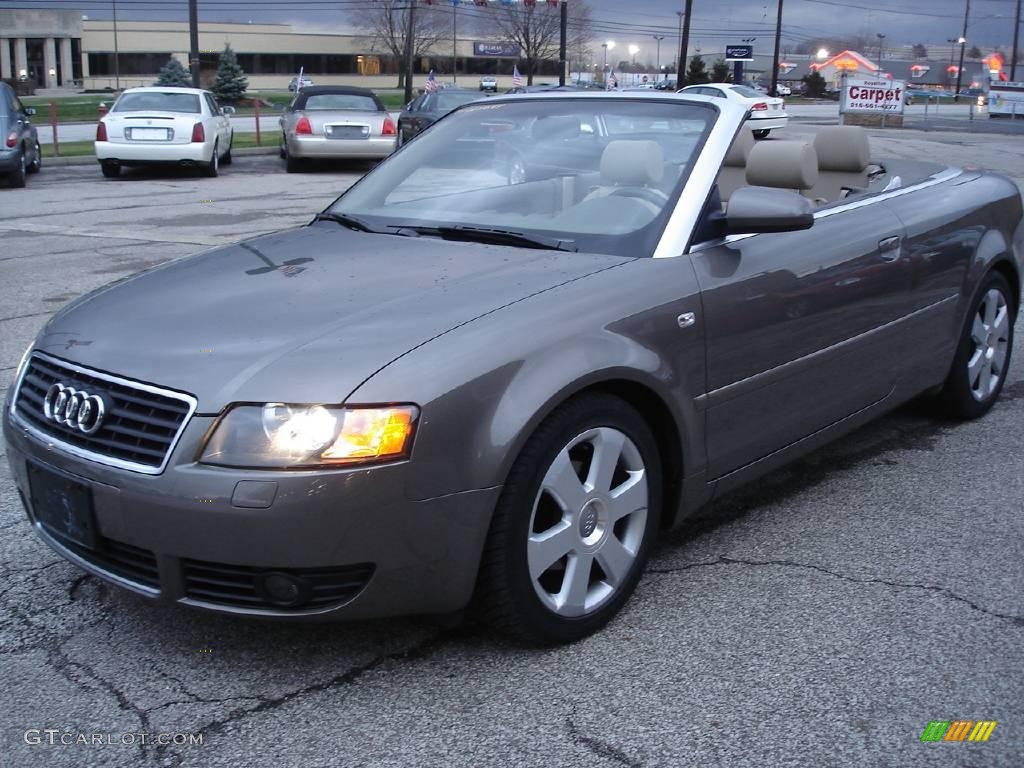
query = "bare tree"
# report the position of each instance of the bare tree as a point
(535, 29)
(387, 21)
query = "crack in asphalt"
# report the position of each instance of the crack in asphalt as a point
(598, 747)
(944, 591)
(73, 589)
(22, 317)
(351, 676)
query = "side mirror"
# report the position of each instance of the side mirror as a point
(227, 110)
(754, 210)
(30, 111)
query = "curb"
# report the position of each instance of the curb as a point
(60, 162)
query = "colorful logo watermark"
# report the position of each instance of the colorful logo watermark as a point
(958, 730)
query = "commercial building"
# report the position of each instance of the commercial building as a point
(270, 54)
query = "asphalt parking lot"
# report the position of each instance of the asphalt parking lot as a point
(821, 617)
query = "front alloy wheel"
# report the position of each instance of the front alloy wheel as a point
(574, 525)
(983, 353)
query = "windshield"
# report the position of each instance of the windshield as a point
(158, 101)
(340, 101)
(601, 175)
(750, 93)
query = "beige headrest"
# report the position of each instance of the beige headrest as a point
(842, 148)
(740, 149)
(782, 164)
(632, 163)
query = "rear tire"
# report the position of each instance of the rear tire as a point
(36, 165)
(281, 151)
(110, 170)
(212, 168)
(762, 134)
(982, 355)
(226, 160)
(293, 164)
(605, 522)
(16, 178)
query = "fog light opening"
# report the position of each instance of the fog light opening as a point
(283, 589)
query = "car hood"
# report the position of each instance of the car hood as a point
(300, 316)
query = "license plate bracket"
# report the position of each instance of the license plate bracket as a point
(63, 504)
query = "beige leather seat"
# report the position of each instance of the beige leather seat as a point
(631, 168)
(734, 168)
(844, 155)
(783, 164)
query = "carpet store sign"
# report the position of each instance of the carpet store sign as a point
(876, 95)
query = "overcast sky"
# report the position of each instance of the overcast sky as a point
(715, 22)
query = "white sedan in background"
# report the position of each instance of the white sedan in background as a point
(766, 112)
(164, 126)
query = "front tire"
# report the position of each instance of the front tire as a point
(983, 353)
(574, 526)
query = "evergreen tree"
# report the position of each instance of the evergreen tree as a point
(697, 73)
(974, 52)
(814, 85)
(230, 83)
(174, 73)
(720, 71)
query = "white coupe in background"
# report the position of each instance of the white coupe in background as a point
(766, 112)
(165, 126)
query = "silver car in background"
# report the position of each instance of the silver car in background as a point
(337, 122)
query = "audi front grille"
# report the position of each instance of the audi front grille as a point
(138, 424)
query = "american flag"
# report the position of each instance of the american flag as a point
(517, 79)
(613, 82)
(431, 85)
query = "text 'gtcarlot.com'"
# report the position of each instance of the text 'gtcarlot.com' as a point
(55, 736)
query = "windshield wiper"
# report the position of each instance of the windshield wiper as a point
(346, 221)
(463, 233)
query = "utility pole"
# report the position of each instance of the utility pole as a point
(410, 31)
(684, 44)
(963, 45)
(117, 64)
(773, 89)
(563, 41)
(193, 41)
(455, 43)
(1016, 37)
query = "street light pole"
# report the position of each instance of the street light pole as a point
(659, 38)
(963, 44)
(563, 41)
(410, 31)
(684, 43)
(881, 39)
(775, 56)
(1013, 53)
(455, 43)
(117, 64)
(193, 41)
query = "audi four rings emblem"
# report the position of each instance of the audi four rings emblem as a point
(74, 408)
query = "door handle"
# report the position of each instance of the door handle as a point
(890, 248)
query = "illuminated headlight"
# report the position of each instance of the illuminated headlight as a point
(276, 436)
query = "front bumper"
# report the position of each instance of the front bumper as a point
(318, 146)
(171, 536)
(143, 153)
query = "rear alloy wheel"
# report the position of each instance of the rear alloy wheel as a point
(574, 525)
(762, 134)
(36, 165)
(983, 354)
(110, 170)
(212, 168)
